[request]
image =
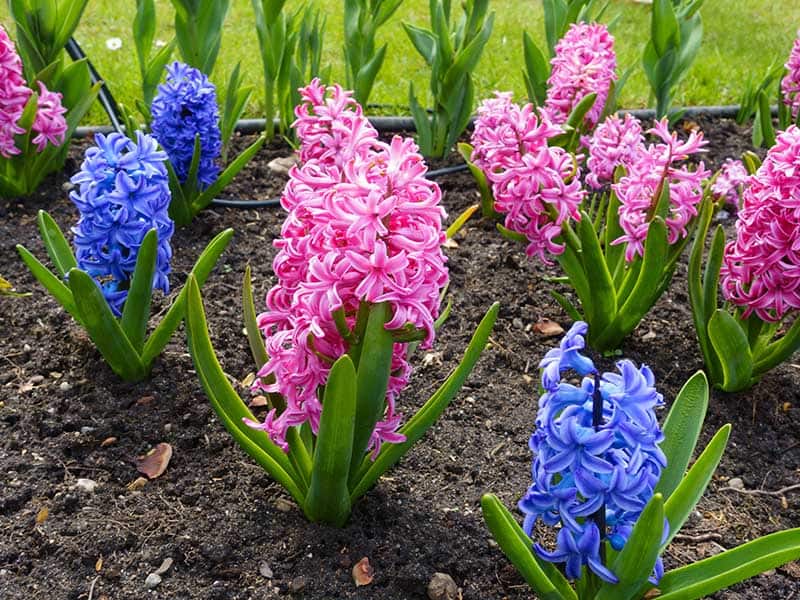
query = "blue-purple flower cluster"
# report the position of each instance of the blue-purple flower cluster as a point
(185, 107)
(123, 192)
(592, 471)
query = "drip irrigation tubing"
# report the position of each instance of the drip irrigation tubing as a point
(381, 123)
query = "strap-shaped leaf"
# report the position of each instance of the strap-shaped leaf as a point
(707, 576)
(615, 253)
(517, 547)
(254, 336)
(461, 219)
(104, 329)
(373, 355)
(415, 428)
(202, 268)
(422, 123)
(537, 70)
(136, 311)
(681, 431)
(733, 350)
(568, 307)
(683, 499)
(226, 402)
(51, 283)
(634, 564)
(779, 351)
(604, 297)
(328, 498)
(56, 244)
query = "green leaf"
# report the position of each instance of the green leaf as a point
(681, 431)
(104, 329)
(537, 70)
(373, 357)
(568, 307)
(665, 30)
(461, 220)
(514, 236)
(707, 576)
(604, 297)
(328, 498)
(51, 283)
(423, 40)
(57, 247)
(422, 123)
(779, 351)
(226, 402)
(685, 497)
(731, 346)
(254, 335)
(634, 564)
(416, 427)
(136, 311)
(517, 547)
(202, 268)
(765, 120)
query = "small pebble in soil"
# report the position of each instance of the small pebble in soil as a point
(736, 483)
(442, 587)
(86, 485)
(297, 585)
(152, 581)
(165, 566)
(265, 571)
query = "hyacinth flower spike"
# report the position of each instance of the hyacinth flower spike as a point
(756, 273)
(360, 273)
(122, 253)
(617, 518)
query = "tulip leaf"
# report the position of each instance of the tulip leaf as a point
(136, 311)
(104, 329)
(328, 497)
(634, 563)
(57, 247)
(51, 283)
(707, 576)
(415, 428)
(226, 402)
(685, 497)
(254, 336)
(681, 431)
(202, 268)
(516, 545)
(731, 346)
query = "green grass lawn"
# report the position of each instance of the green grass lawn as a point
(741, 40)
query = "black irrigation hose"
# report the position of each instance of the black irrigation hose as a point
(76, 53)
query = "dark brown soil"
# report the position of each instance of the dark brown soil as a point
(230, 531)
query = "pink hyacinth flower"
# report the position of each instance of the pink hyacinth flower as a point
(14, 95)
(790, 84)
(761, 266)
(730, 182)
(584, 63)
(364, 224)
(615, 142)
(535, 186)
(652, 167)
(49, 124)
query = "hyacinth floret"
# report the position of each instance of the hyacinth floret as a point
(364, 225)
(584, 63)
(122, 193)
(186, 107)
(49, 123)
(536, 187)
(614, 143)
(761, 267)
(790, 84)
(652, 167)
(731, 182)
(582, 469)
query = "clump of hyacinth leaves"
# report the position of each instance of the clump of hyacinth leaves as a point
(122, 252)
(32, 126)
(616, 485)
(360, 274)
(185, 121)
(757, 272)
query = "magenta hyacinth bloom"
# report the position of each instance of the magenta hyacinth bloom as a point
(731, 181)
(528, 177)
(364, 224)
(615, 142)
(49, 124)
(584, 63)
(653, 166)
(790, 84)
(761, 267)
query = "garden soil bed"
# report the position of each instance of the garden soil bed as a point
(230, 531)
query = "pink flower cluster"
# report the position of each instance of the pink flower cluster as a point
(536, 186)
(761, 267)
(790, 84)
(615, 142)
(364, 224)
(584, 63)
(49, 123)
(654, 166)
(731, 182)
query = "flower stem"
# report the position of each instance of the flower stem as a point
(599, 517)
